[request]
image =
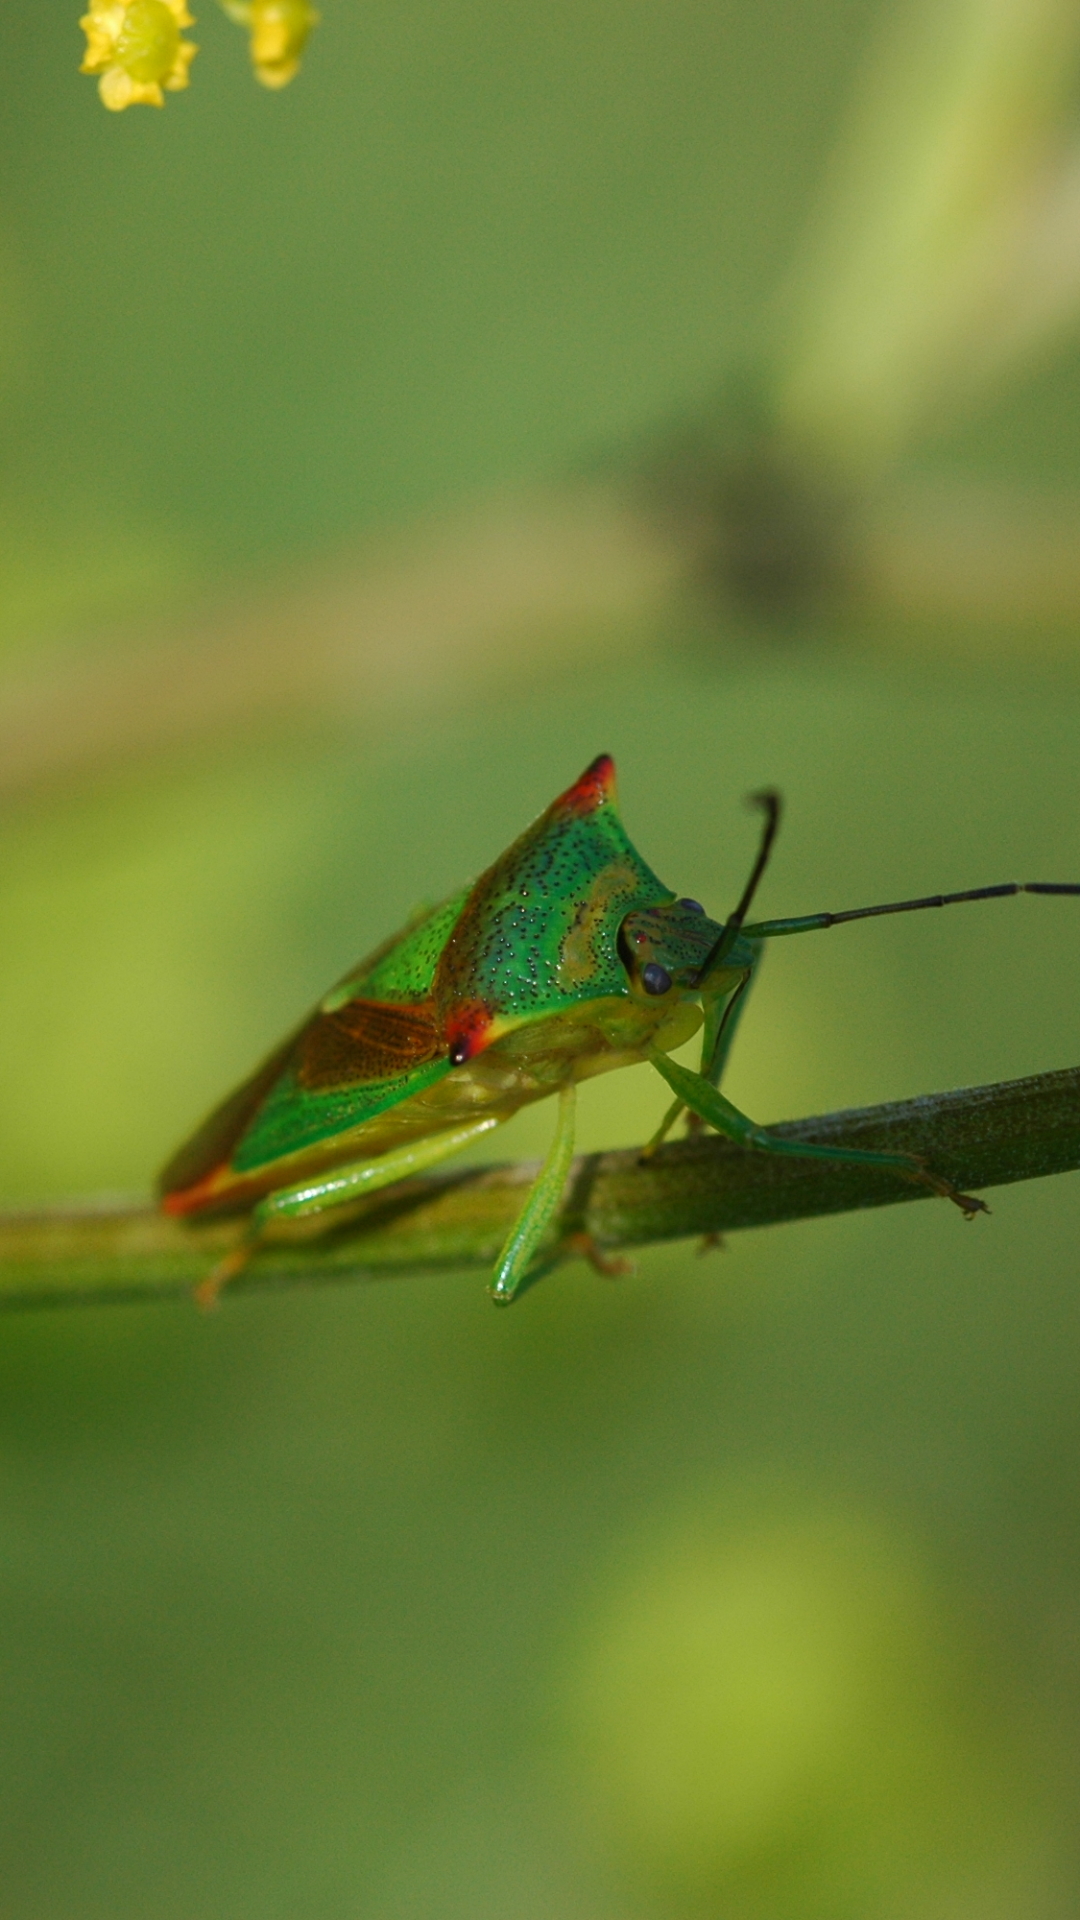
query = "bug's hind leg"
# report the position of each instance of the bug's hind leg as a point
(339, 1187)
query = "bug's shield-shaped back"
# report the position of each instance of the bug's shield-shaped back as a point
(535, 936)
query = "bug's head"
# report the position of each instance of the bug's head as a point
(664, 948)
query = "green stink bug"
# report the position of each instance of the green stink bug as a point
(567, 958)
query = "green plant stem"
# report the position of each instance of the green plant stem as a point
(91, 1252)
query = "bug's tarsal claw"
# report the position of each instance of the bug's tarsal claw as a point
(611, 1266)
(710, 1243)
(968, 1203)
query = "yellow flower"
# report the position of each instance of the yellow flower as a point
(135, 46)
(279, 30)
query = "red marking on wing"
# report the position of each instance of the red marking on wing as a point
(593, 789)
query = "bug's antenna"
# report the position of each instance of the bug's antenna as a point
(955, 899)
(811, 922)
(772, 806)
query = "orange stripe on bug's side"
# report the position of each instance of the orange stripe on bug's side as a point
(202, 1194)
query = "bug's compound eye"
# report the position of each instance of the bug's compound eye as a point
(692, 906)
(459, 1053)
(655, 978)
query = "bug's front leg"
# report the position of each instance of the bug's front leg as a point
(723, 1011)
(695, 1092)
(339, 1187)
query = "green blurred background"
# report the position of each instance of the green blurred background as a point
(748, 1587)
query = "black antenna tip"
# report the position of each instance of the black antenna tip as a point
(769, 800)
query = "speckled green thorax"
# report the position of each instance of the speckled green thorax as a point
(539, 931)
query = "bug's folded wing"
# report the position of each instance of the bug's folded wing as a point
(362, 1042)
(213, 1142)
(366, 1040)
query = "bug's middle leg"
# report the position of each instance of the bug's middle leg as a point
(695, 1092)
(543, 1198)
(338, 1187)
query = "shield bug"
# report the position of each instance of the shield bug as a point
(566, 959)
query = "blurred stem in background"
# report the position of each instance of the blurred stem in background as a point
(943, 255)
(944, 248)
(474, 598)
